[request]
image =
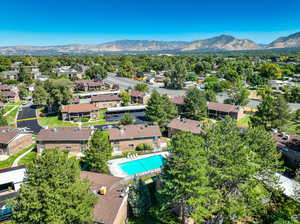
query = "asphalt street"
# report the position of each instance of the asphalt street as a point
(125, 83)
(27, 119)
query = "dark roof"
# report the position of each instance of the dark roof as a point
(134, 131)
(64, 134)
(78, 108)
(136, 93)
(222, 107)
(105, 98)
(186, 125)
(7, 134)
(177, 100)
(108, 205)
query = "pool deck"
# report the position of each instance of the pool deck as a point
(116, 170)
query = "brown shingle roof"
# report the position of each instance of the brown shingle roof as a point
(7, 134)
(8, 93)
(186, 125)
(64, 133)
(136, 93)
(222, 107)
(105, 98)
(78, 108)
(134, 131)
(5, 88)
(108, 205)
(177, 100)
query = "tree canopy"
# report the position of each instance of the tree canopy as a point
(53, 192)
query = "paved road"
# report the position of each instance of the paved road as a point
(27, 118)
(125, 83)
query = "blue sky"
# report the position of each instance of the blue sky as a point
(56, 22)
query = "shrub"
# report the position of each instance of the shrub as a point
(144, 147)
(76, 119)
(85, 119)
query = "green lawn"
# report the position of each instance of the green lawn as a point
(11, 117)
(54, 121)
(244, 122)
(28, 159)
(9, 161)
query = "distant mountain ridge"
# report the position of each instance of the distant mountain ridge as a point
(218, 43)
(291, 41)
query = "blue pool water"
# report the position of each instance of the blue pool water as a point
(142, 165)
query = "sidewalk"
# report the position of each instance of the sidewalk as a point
(15, 163)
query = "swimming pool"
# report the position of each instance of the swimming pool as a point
(142, 165)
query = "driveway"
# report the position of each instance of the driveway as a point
(27, 119)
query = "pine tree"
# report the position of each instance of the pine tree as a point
(139, 197)
(184, 179)
(53, 192)
(195, 104)
(98, 152)
(160, 109)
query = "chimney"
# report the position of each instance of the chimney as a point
(122, 131)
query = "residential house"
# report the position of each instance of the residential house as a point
(111, 206)
(106, 101)
(183, 124)
(216, 110)
(10, 96)
(88, 85)
(79, 111)
(9, 93)
(68, 71)
(12, 75)
(72, 139)
(13, 140)
(289, 145)
(129, 136)
(138, 97)
(277, 84)
(296, 78)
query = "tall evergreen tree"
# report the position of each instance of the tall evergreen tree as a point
(195, 104)
(98, 152)
(184, 179)
(139, 197)
(53, 192)
(273, 112)
(160, 109)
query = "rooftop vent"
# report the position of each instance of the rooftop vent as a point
(102, 190)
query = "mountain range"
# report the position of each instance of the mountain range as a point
(218, 43)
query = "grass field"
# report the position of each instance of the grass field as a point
(28, 159)
(11, 117)
(9, 161)
(244, 122)
(54, 121)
